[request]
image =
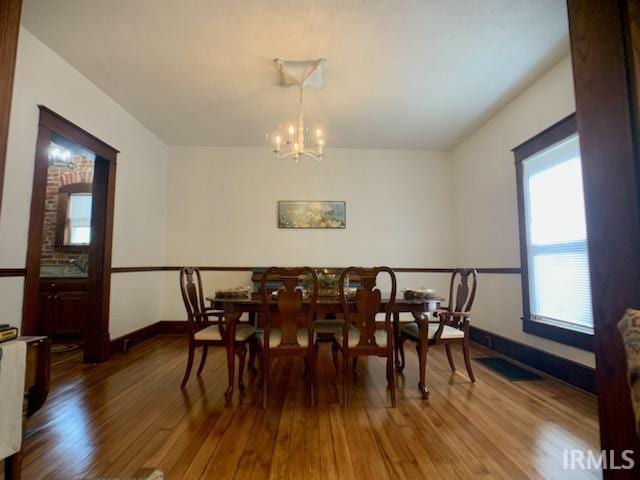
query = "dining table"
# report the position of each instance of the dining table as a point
(326, 307)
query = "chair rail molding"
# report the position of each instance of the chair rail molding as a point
(20, 271)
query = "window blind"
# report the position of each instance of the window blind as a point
(558, 260)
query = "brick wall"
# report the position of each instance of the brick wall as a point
(57, 176)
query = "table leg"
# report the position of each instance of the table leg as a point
(396, 340)
(231, 318)
(423, 347)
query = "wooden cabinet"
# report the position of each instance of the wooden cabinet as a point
(62, 308)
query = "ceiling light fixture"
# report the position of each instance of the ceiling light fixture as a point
(294, 143)
(60, 156)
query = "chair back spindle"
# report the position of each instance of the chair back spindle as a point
(368, 300)
(289, 311)
(462, 291)
(191, 289)
(193, 298)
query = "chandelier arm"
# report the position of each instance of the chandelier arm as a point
(309, 153)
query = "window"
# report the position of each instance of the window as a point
(553, 237)
(79, 219)
(73, 222)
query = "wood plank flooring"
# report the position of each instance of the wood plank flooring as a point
(115, 419)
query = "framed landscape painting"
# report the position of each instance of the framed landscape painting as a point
(311, 214)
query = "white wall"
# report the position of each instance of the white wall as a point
(485, 209)
(222, 211)
(220, 204)
(42, 77)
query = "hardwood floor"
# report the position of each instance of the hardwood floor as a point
(113, 419)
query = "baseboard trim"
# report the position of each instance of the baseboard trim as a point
(568, 371)
(125, 342)
(173, 326)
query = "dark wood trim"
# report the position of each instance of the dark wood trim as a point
(9, 30)
(173, 326)
(632, 42)
(219, 269)
(601, 50)
(69, 130)
(76, 188)
(548, 137)
(522, 236)
(574, 338)
(12, 272)
(142, 269)
(490, 270)
(34, 244)
(96, 341)
(19, 272)
(125, 342)
(417, 270)
(501, 271)
(99, 278)
(177, 269)
(568, 371)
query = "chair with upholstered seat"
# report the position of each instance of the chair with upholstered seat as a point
(361, 334)
(288, 327)
(448, 326)
(204, 332)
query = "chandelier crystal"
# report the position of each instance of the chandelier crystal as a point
(297, 141)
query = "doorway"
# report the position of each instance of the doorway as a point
(68, 264)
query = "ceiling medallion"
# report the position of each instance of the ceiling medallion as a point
(296, 141)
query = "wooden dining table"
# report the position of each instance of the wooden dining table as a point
(325, 307)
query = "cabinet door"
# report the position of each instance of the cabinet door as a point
(46, 306)
(70, 314)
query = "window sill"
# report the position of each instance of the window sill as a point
(574, 338)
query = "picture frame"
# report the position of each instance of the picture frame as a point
(312, 214)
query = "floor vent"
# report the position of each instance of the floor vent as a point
(508, 370)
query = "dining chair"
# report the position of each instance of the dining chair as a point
(361, 334)
(205, 333)
(288, 326)
(329, 327)
(450, 326)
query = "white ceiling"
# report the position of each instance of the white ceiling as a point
(400, 73)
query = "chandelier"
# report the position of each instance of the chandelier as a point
(297, 141)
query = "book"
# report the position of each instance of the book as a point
(8, 334)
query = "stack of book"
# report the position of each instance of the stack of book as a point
(7, 332)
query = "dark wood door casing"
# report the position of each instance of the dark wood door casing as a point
(602, 46)
(9, 29)
(96, 331)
